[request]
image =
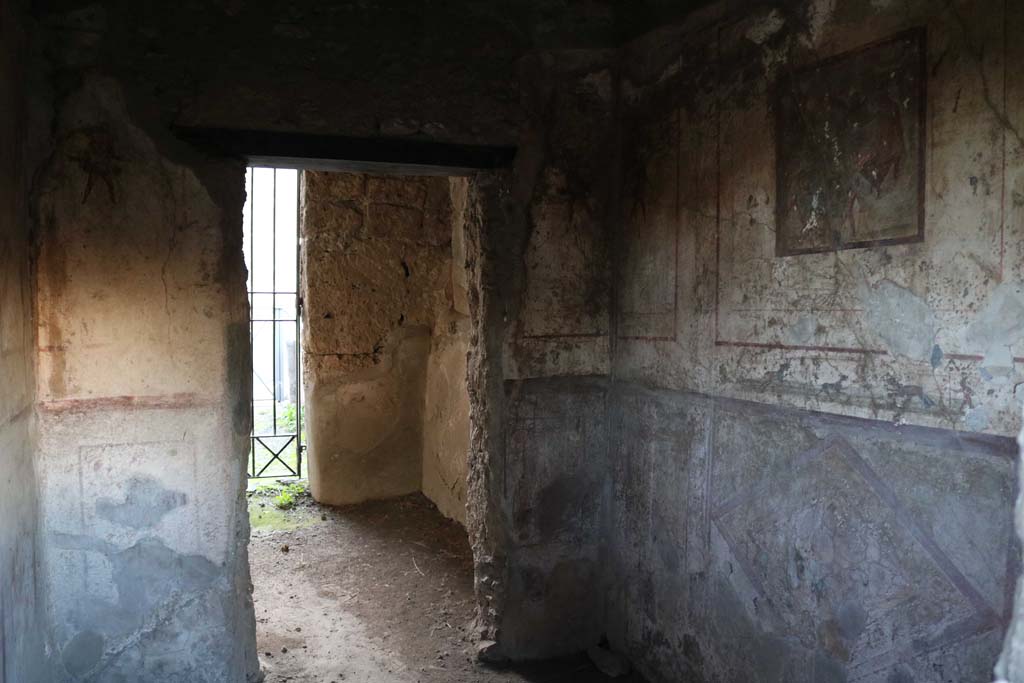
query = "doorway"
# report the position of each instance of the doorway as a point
(368, 574)
(271, 246)
(360, 320)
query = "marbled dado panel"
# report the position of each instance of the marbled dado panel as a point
(554, 478)
(760, 544)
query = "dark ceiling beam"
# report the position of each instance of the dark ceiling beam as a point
(335, 153)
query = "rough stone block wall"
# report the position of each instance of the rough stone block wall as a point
(22, 599)
(143, 402)
(385, 338)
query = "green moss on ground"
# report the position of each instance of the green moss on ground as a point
(281, 506)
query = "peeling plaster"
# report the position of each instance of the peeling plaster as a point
(901, 319)
(761, 32)
(976, 419)
(819, 14)
(997, 328)
(802, 332)
(145, 504)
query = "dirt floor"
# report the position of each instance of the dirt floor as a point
(371, 593)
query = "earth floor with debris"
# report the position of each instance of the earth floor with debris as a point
(377, 592)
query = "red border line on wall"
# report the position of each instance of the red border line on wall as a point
(795, 347)
(588, 335)
(169, 402)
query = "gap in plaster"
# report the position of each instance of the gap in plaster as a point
(380, 341)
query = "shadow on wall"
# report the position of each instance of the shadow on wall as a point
(23, 603)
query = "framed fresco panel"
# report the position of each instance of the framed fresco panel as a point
(850, 146)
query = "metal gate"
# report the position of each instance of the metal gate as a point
(271, 234)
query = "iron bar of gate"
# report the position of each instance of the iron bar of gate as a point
(297, 302)
(250, 185)
(273, 301)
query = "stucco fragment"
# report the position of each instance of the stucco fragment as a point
(903, 320)
(998, 327)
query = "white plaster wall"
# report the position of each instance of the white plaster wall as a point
(446, 418)
(446, 411)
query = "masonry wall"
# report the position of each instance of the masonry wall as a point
(754, 537)
(541, 298)
(536, 247)
(307, 67)
(564, 121)
(634, 332)
(385, 338)
(143, 402)
(22, 596)
(446, 406)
